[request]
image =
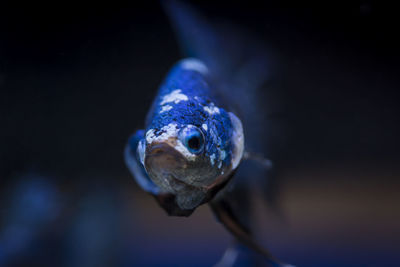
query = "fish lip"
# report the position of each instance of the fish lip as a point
(157, 150)
(154, 149)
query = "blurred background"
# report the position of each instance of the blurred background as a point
(77, 79)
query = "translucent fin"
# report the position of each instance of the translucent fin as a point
(224, 213)
(132, 160)
(260, 159)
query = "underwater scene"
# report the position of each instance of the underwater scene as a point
(193, 133)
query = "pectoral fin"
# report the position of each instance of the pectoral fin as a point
(133, 152)
(259, 159)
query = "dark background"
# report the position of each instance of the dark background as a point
(77, 79)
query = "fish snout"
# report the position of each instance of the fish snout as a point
(162, 161)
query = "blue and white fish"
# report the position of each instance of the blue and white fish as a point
(192, 143)
(194, 136)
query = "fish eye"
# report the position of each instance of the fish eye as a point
(192, 138)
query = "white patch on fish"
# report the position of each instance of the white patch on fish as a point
(165, 108)
(140, 150)
(195, 65)
(205, 127)
(214, 135)
(212, 159)
(150, 136)
(175, 96)
(211, 109)
(168, 131)
(222, 155)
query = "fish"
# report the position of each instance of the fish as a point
(193, 140)
(192, 143)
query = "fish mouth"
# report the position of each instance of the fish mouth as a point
(173, 173)
(161, 162)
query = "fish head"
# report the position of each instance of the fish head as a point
(189, 160)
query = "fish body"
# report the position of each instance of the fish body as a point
(191, 145)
